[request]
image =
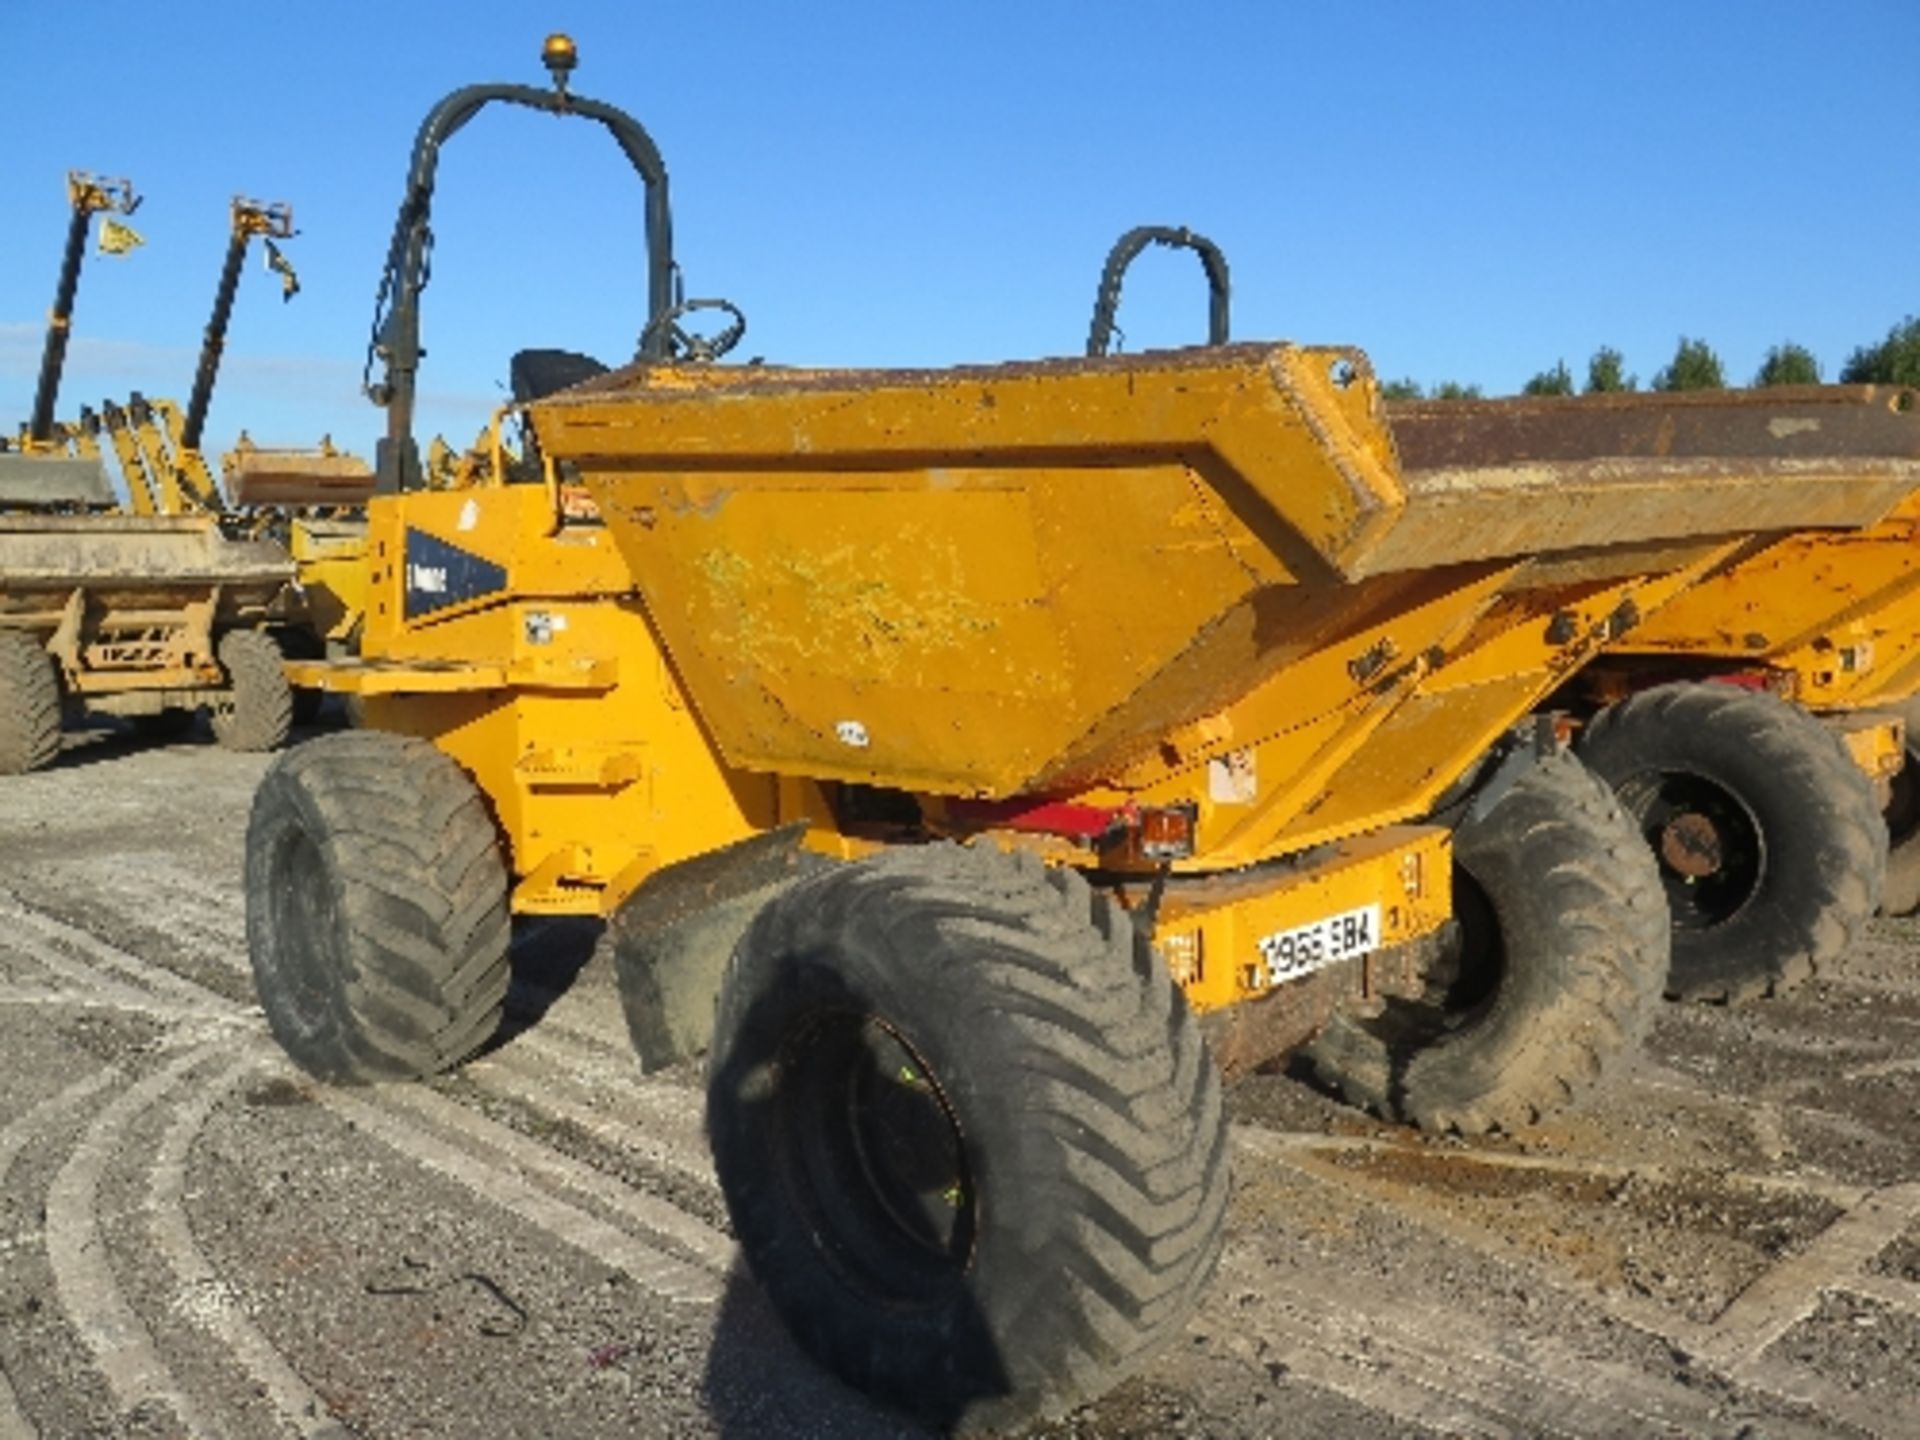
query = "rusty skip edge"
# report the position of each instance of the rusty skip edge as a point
(1632, 467)
(641, 380)
(1731, 428)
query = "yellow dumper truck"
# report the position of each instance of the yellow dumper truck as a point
(1754, 726)
(973, 764)
(147, 615)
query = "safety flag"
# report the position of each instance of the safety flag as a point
(283, 267)
(118, 239)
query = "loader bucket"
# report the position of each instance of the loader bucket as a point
(1025, 578)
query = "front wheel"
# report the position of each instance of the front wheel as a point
(1551, 979)
(1772, 850)
(377, 920)
(255, 712)
(29, 704)
(969, 1134)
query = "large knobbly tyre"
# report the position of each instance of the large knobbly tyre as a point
(29, 705)
(969, 1134)
(1902, 895)
(1771, 847)
(256, 712)
(376, 908)
(1553, 976)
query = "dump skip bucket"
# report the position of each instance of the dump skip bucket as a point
(988, 581)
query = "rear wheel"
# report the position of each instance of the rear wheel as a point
(969, 1134)
(29, 705)
(256, 711)
(1902, 895)
(1551, 979)
(376, 908)
(1771, 848)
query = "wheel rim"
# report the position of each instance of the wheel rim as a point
(1461, 986)
(1903, 803)
(1708, 843)
(1464, 986)
(876, 1159)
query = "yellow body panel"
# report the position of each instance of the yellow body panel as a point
(1834, 617)
(560, 701)
(330, 567)
(1875, 739)
(1213, 948)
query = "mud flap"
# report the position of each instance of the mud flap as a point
(672, 939)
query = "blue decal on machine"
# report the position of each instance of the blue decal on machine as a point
(440, 575)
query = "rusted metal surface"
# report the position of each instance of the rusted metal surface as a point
(64, 550)
(1729, 427)
(1691, 844)
(324, 477)
(37, 480)
(1540, 472)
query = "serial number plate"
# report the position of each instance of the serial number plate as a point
(1348, 935)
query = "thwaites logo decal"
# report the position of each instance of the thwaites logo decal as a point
(440, 575)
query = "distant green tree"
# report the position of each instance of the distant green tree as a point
(1694, 367)
(1894, 361)
(1557, 381)
(1401, 390)
(1788, 364)
(1454, 390)
(1606, 373)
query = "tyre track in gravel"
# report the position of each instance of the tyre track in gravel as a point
(663, 1102)
(206, 1299)
(14, 1138)
(575, 1064)
(1437, 1365)
(493, 1163)
(122, 1347)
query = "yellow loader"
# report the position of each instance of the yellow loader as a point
(973, 765)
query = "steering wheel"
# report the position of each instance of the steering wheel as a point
(684, 344)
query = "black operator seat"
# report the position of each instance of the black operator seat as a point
(536, 374)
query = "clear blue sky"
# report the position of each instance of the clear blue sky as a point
(1466, 191)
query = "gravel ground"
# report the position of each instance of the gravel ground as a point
(196, 1241)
